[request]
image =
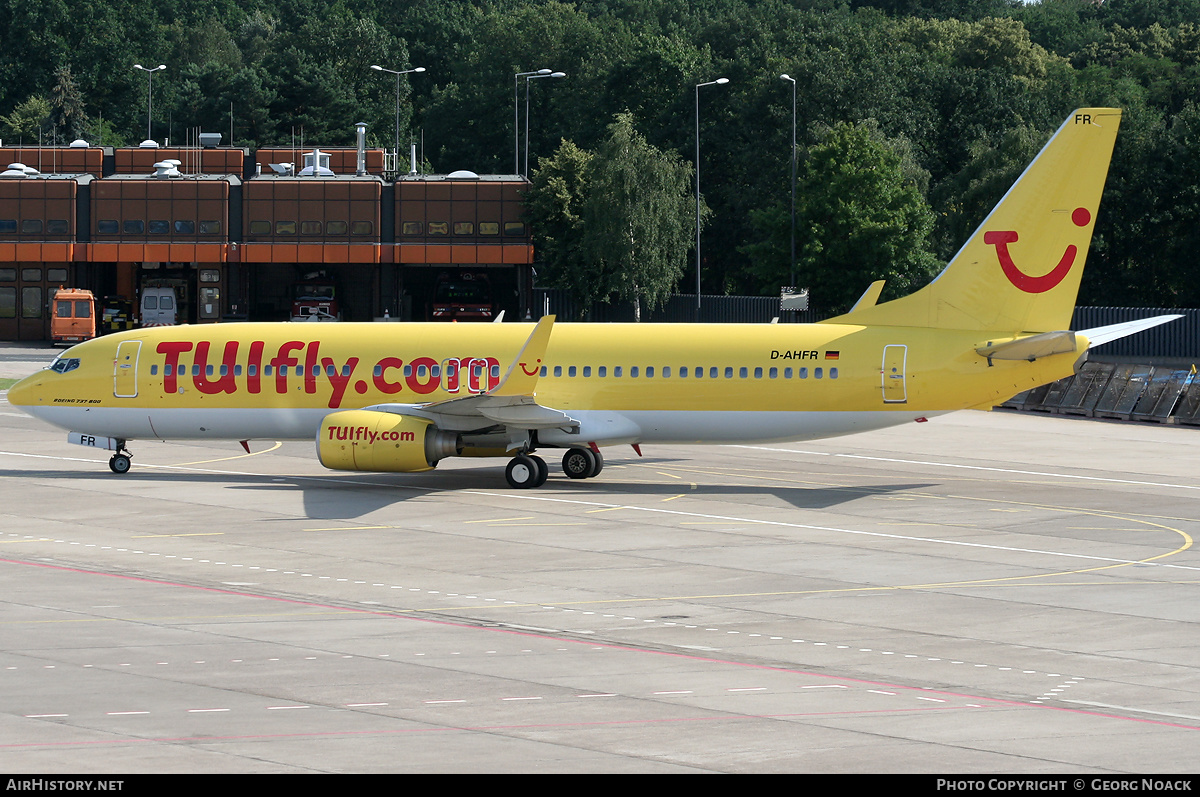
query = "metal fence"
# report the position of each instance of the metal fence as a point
(1179, 339)
(679, 308)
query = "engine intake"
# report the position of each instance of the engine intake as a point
(382, 441)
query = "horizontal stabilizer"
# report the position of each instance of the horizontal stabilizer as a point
(1030, 348)
(1115, 331)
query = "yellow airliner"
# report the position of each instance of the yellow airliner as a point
(401, 397)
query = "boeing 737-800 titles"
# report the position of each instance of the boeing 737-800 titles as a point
(401, 397)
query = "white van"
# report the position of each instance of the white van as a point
(159, 307)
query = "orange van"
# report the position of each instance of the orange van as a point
(74, 316)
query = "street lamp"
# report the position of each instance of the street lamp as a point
(517, 115)
(792, 276)
(378, 68)
(150, 92)
(719, 81)
(527, 79)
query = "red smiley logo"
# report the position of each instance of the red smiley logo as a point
(527, 371)
(1081, 217)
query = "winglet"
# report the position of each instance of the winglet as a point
(522, 375)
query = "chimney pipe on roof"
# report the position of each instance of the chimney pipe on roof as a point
(361, 164)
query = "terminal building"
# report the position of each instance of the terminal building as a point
(240, 236)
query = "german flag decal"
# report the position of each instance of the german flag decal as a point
(832, 355)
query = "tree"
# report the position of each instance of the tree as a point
(554, 207)
(637, 221)
(617, 222)
(26, 121)
(66, 105)
(858, 219)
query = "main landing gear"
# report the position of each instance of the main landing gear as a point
(526, 471)
(582, 463)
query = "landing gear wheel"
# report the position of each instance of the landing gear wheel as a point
(523, 472)
(119, 464)
(580, 463)
(543, 471)
(599, 464)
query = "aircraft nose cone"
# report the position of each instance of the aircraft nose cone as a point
(25, 393)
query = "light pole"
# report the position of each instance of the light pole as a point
(719, 81)
(792, 274)
(527, 79)
(149, 92)
(378, 68)
(517, 115)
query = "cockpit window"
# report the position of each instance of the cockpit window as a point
(63, 364)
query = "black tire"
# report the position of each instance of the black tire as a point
(599, 464)
(119, 464)
(543, 470)
(579, 463)
(522, 472)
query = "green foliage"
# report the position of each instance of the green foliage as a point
(858, 219)
(973, 86)
(638, 217)
(616, 222)
(27, 121)
(554, 206)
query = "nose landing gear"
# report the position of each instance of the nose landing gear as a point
(120, 461)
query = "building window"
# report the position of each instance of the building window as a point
(362, 228)
(514, 228)
(210, 228)
(58, 227)
(336, 228)
(134, 227)
(58, 275)
(489, 228)
(8, 274)
(285, 228)
(408, 227)
(310, 228)
(31, 226)
(31, 301)
(159, 227)
(107, 227)
(260, 228)
(31, 274)
(8, 226)
(185, 227)
(8, 302)
(438, 228)
(464, 228)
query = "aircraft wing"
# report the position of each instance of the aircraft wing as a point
(511, 404)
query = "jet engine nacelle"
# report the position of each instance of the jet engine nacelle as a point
(382, 441)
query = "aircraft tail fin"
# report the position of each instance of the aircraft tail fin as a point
(1020, 270)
